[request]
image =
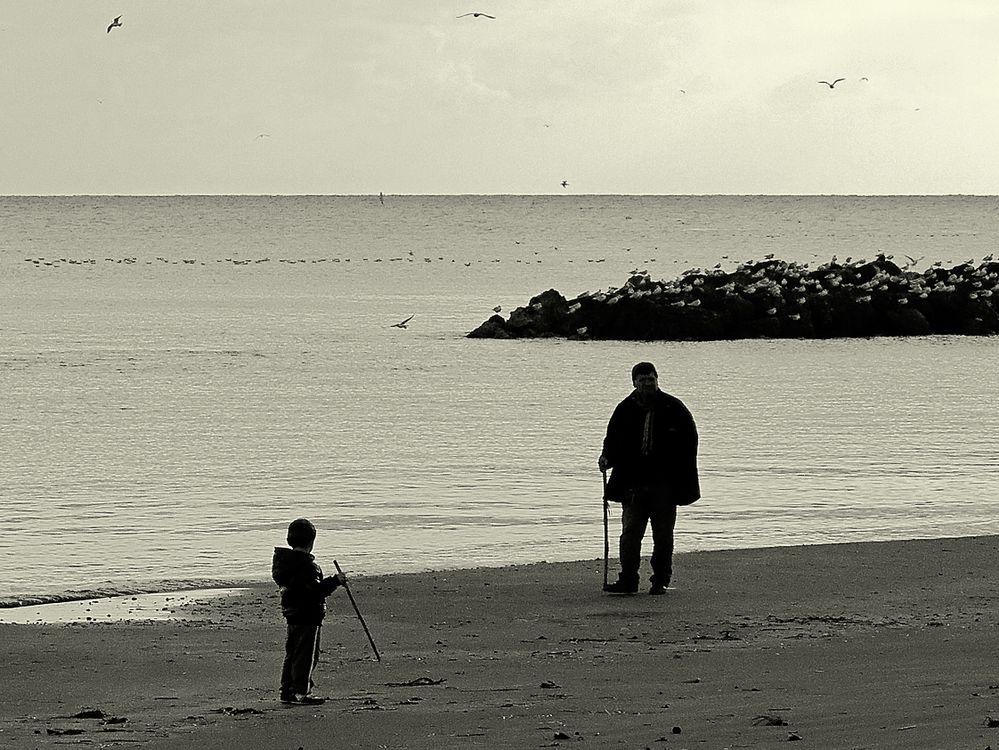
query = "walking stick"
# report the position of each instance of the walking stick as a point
(357, 611)
(606, 539)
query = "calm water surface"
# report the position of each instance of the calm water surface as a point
(183, 376)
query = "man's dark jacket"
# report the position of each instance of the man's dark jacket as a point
(657, 455)
(303, 588)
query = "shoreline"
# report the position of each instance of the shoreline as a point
(194, 585)
(861, 645)
(18, 601)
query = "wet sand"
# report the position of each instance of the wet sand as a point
(873, 645)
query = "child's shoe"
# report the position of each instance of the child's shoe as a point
(301, 700)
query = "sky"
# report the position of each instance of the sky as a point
(404, 97)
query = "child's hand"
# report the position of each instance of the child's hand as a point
(342, 578)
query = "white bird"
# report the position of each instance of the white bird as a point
(476, 15)
(403, 323)
(115, 22)
(833, 84)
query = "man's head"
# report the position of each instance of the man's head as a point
(301, 534)
(645, 378)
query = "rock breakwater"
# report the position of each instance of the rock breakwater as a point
(771, 298)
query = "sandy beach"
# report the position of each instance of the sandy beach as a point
(873, 645)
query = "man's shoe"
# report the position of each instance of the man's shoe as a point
(301, 700)
(621, 587)
(657, 589)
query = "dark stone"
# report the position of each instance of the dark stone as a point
(906, 321)
(494, 328)
(771, 299)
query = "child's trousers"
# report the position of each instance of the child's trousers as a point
(301, 654)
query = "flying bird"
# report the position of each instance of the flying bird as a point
(476, 15)
(115, 22)
(565, 184)
(833, 84)
(403, 323)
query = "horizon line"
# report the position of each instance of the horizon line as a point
(499, 195)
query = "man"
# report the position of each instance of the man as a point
(651, 445)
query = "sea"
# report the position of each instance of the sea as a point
(182, 376)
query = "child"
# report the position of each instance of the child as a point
(303, 604)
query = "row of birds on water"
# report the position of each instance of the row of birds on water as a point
(128, 261)
(910, 262)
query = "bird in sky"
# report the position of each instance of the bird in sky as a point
(476, 15)
(833, 84)
(115, 22)
(565, 184)
(403, 323)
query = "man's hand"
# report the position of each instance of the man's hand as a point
(603, 463)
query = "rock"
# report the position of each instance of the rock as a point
(89, 713)
(494, 328)
(548, 313)
(769, 720)
(770, 299)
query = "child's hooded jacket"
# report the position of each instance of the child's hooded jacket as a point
(303, 588)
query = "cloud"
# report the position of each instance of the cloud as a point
(355, 93)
